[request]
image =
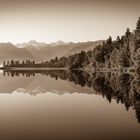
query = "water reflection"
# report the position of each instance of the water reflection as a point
(124, 87)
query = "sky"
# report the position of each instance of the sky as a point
(66, 20)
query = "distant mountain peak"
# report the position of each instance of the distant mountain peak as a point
(37, 45)
(32, 43)
(60, 42)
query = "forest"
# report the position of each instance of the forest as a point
(123, 52)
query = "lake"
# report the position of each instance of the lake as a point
(69, 105)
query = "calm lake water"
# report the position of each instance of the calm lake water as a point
(65, 105)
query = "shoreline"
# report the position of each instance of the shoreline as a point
(29, 68)
(104, 70)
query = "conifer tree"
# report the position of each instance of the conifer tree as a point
(138, 25)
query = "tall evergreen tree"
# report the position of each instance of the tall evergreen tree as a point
(109, 40)
(138, 25)
(4, 64)
(12, 63)
(118, 39)
(8, 63)
(127, 32)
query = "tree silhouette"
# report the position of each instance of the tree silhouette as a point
(127, 32)
(109, 40)
(118, 39)
(4, 64)
(12, 63)
(138, 25)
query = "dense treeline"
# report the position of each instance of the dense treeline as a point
(27, 63)
(121, 53)
(73, 61)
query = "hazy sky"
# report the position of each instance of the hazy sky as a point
(67, 20)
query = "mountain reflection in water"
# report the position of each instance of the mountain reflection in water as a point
(92, 104)
(124, 88)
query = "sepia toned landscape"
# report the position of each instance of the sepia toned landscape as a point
(69, 70)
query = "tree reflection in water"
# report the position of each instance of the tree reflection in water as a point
(122, 87)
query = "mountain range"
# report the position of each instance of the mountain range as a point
(42, 51)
